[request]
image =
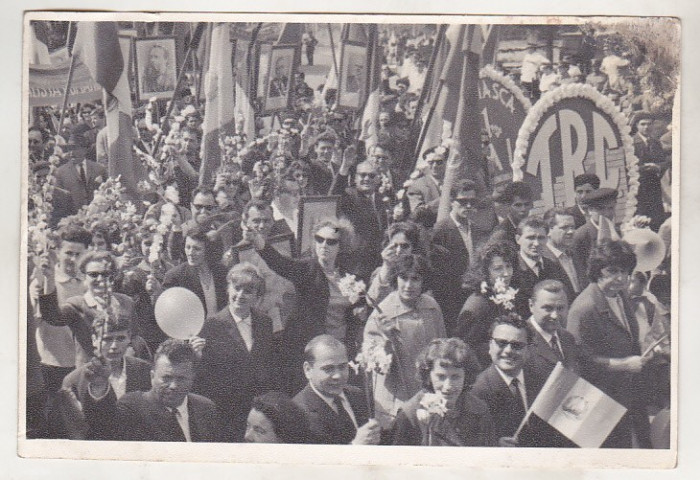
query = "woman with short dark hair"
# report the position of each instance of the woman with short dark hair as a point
(275, 418)
(447, 368)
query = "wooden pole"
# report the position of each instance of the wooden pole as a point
(68, 82)
(335, 61)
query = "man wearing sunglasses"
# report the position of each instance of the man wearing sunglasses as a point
(511, 383)
(454, 243)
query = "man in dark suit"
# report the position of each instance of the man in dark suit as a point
(454, 243)
(424, 192)
(583, 185)
(552, 343)
(518, 198)
(362, 205)
(653, 163)
(237, 360)
(337, 412)
(558, 249)
(111, 338)
(532, 266)
(599, 203)
(61, 200)
(79, 176)
(323, 170)
(168, 412)
(602, 321)
(510, 384)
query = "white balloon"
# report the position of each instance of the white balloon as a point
(179, 313)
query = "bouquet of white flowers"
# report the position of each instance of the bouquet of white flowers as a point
(500, 293)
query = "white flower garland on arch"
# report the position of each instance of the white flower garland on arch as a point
(492, 74)
(588, 92)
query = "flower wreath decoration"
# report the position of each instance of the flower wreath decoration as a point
(588, 92)
(492, 74)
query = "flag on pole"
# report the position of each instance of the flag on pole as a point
(97, 46)
(243, 109)
(218, 89)
(579, 410)
(369, 132)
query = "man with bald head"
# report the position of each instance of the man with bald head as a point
(337, 412)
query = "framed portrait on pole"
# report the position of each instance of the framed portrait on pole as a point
(280, 74)
(156, 67)
(354, 71)
(314, 209)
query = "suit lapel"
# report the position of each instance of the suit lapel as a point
(601, 303)
(544, 349)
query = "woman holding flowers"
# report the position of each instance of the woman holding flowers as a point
(489, 281)
(321, 307)
(405, 322)
(443, 412)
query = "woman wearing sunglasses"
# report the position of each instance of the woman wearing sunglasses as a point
(405, 323)
(99, 299)
(321, 308)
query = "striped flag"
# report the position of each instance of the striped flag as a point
(97, 46)
(219, 116)
(579, 410)
(370, 114)
(243, 109)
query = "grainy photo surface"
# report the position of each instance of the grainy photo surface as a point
(350, 238)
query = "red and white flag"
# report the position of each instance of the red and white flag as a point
(97, 46)
(220, 113)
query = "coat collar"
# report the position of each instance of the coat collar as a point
(393, 307)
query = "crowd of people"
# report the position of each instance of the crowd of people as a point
(459, 325)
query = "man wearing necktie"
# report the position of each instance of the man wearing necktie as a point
(532, 266)
(562, 226)
(168, 412)
(337, 412)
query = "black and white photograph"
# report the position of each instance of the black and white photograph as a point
(432, 233)
(156, 67)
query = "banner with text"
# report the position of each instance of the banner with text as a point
(47, 84)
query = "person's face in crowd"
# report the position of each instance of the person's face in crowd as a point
(532, 242)
(581, 191)
(384, 119)
(562, 233)
(606, 210)
(190, 144)
(412, 109)
(409, 287)
(195, 251)
(366, 178)
(508, 348)
(381, 158)
(401, 244)
(636, 286)
(260, 221)
(259, 428)
(98, 278)
(464, 206)
(192, 121)
(171, 382)
(202, 206)
(613, 280)
(146, 243)
(643, 127)
(302, 178)
(550, 309)
(77, 154)
(519, 209)
(98, 120)
(289, 193)
(99, 243)
(242, 297)
(328, 372)
(386, 72)
(327, 245)
(85, 116)
(222, 199)
(436, 164)
(401, 88)
(68, 257)
(40, 176)
(447, 380)
(500, 268)
(324, 151)
(112, 346)
(36, 142)
(156, 59)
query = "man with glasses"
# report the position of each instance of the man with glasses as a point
(511, 383)
(454, 243)
(425, 191)
(558, 249)
(603, 322)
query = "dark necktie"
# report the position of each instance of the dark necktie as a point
(514, 387)
(555, 346)
(174, 426)
(346, 427)
(83, 178)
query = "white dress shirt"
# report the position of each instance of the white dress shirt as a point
(245, 328)
(567, 263)
(183, 418)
